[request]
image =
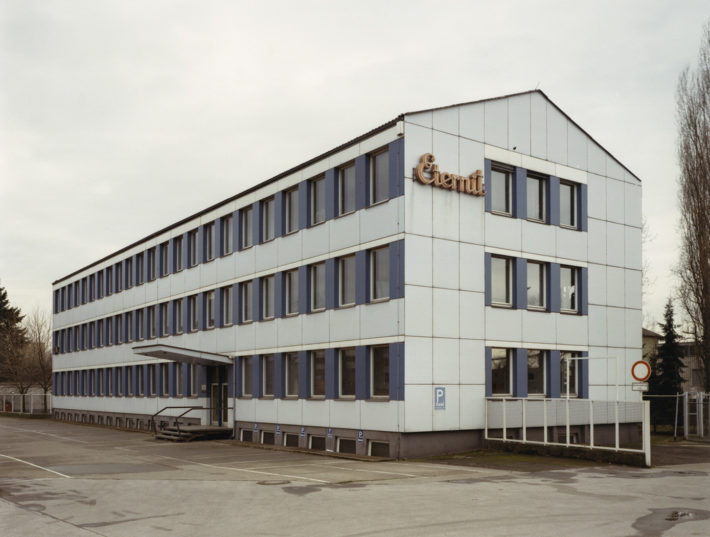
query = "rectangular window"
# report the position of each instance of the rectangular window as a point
(178, 380)
(379, 177)
(129, 273)
(165, 383)
(536, 285)
(346, 370)
(119, 329)
(209, 241)
(347, 280)
(501, 371)
(119, 381)
(164, 326)
(209, 307)
(536, 197)
(109, 331)
(268, 216)
(318, 287)
(267, 372)
(227, 305)
(129, 327)
(99, 285)
(151, 380)
(109, 280)
(100, 380)
(139, 324)
(151, 264)
(501, 281)
(193, 380)
(317, 187)
(247, 307)
(291, 198)
(129, 381)
(227, 242)
(91, 288)
(192, 311)
(291, 368)
(536, 372)
(568, 289)
(164, 268)
(317, 373)
(568, 205)
(501, 190)
(100, 333)
(380, 371)
(267, 297)
(178, 253)
(346, 189)
(246, 376)
(76, 295)
(139, 380)
(291, 278)
(152, 322)
(568, 374)
(247, 233)
(192, 248)
(109, 382)
(380, 273)
(178, 316)
(140, 277)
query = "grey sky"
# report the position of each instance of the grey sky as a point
(120, 118)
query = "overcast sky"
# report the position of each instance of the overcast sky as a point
(118, 118)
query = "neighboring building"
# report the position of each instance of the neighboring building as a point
(370, 299)
(650, 341)
(693, 369)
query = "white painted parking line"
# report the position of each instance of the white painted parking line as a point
(35, 465)
(245, 470)
(44, 434)
(350, 469)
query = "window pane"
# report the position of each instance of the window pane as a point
(193, 248)
(292, 292)
(178, 253)
(268, 372)
(380, 371)
(227, 243)
(380, 273)
(318, 286)
(347, 189)
(568, 288)
(247, 301)
(268, 297)
(500, 371)
(318, 373)
(246, 376)
(536, 287)
(536, 198)
(227, 305)
(209, 241)
(536, 372)
(292, 374)
(500, 191)
(565, 361)
(178, 316)
(247, 234)
(317, 201)
(347, 280)
(567, 205)
(380, 177)
(210, 309)
(347, 372)
(193, 313)
(268, 216)
(500, 280)
(292, 210)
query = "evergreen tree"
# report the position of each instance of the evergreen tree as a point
(666, 365)
(13, 338)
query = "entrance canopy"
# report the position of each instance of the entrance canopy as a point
(181, 354)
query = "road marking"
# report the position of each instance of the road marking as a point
(35, 465)
(45, 434)
(330, 465)
(245, 470)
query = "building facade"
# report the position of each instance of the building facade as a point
(371, 299)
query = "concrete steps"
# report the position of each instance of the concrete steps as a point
(188, 433)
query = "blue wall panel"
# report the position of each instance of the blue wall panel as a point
(201, 311)
(304, 205)
(520, 193)
(396, 165)
(397, 269)
(279, 295)
(257, 223)
(489, 372)
(257, 299)
(257, 375)
(331, 193)
(487, 183)
(331, 374)
(553, 201)
(583, 291)
(362, 373)
(520, 373)
(554, 287)
(362, 269)
(520, 277)
(279, 214)
(304, 285)
(279, 377)
(583, 377)
(331, 283)
(362, 182)
(304, 375)
(582, 209)
(487, 272)
(396, 351)
(553, 374)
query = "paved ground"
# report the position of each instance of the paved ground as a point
(59, 479)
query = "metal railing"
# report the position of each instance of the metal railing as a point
(539, 421)
(28, 403)
(176, 419)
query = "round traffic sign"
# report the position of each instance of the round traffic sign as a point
(641, 371)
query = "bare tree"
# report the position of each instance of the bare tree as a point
(39, 349)
(16, 368)
(693, 110)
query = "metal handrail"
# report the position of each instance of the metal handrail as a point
(177, 418)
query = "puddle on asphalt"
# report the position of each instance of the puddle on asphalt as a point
(660, 521)
(308, 489)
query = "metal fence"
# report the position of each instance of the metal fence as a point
(29, 403)
(571, 422)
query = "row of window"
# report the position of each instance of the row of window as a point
(521, 193)
(151, 380)
(368, 180)
(514, 282)
(364, 372)
(373, 275)
(535, 373)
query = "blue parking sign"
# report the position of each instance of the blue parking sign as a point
(439, 398)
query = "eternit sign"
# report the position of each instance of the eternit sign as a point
(428, 173)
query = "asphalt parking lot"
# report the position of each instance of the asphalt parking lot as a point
(60, 479)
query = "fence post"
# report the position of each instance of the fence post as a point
(616, 424)
(675, 423)
(699, 414)
(525, 432)
(591, 424)
(686, 427)
(646, 432)
(567, 428)
(504, 422)
(485, 422)
(544, 421)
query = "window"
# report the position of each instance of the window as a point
(380, 371)
(209, 241)
(246, 376)
(267, 371)
(536, 372)
(501, 281)
(192, 311)
(178, 316)
(379, 177)
(501, 190)
(119, 329)
(129, 273)
(346, 189)
(318, 287)
(267, 297)
(209, 307)
(247, 233)
(178, 380)
(247, 309)
(291, 199)
(177, 246)
(100, 380)
(109, 331)
(151, 380)
(100, 333)
(227, 305)
(291, 278)
(536, 285)
(151, 264)
(139, 324)
(164, 328)
(347, 280)
(91, 288)
(129, 381)
(317, 187)
(129, 327)
(568, 289)
(227, 242)
(346, 369)
(317, 373)
(568, 370)
(192, 248)
(501, 371)
(164, 269)
(536, 197)
(568, 205)
(119, 381)
(291, 367)
(139, 380)
(268, 213)
(380, 273)
(164, 384)
(119, 277)
(109, 280)
(109, 382)
(140, 277)
(152, 322)
(193, 380)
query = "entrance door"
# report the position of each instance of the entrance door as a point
(218, 404)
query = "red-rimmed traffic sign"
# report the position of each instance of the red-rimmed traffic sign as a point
(641, 371)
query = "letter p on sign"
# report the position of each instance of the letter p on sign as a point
(439, 398)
